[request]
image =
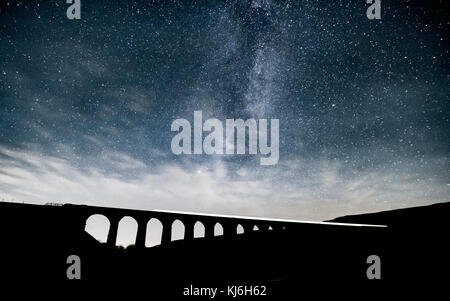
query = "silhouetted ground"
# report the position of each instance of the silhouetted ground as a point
(36, 241)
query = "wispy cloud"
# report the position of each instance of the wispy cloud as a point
(317, 191)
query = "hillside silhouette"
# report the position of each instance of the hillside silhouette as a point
(37, 239)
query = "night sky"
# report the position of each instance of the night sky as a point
(86, 105)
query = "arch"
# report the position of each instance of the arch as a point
(154, 233)
(126, 232)
(97, 226)
(199, 229)
(255, 228)
(177, 230)
(218, 229)
(239, 229)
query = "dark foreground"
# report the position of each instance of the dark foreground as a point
(288, 260)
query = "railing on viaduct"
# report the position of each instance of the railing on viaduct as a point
(229, 224)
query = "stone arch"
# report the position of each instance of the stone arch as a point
(178, 230)
(199, 229)
(97, 225)
(154, 232)
(126, 231)
(239, 229)
(218, 229)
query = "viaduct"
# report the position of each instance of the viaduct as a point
(229, 225)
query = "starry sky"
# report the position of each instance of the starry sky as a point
(86, 105)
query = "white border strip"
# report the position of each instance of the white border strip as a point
(271, 219)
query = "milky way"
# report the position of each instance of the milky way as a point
(86, 105)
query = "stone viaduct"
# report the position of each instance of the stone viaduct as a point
(228, 224)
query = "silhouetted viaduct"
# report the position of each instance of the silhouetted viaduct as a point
(229, 224)
(281, 249)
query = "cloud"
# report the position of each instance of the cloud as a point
(317, 191)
